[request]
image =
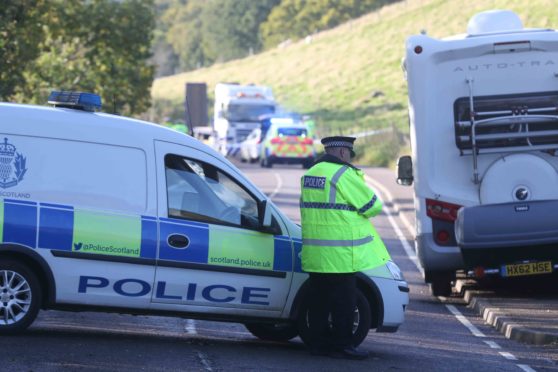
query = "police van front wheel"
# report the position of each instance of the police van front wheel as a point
(20, 297)
(273, 332)
(362, 320)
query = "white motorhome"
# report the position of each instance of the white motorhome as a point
(237, 109)
(483, 111)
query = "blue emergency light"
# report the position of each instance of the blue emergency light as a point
(75, 100)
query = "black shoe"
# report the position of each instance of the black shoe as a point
(349, 353)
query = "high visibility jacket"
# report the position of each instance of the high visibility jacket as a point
(335, 206)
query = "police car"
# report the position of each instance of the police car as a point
(105, 213)
(287, 142)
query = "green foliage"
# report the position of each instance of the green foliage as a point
(230, 28)
(99, 46)
(21, 24)
(183, 23)
(294, 19)
(202, 32)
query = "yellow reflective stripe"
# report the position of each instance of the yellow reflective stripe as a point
(103, 233)
(235, 247)
(337, 242)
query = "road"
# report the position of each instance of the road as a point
(438, 334)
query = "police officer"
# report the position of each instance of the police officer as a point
(338, 241)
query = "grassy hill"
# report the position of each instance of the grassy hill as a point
(349, 78)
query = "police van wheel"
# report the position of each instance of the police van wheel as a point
(20, 297)
(361, 324)
(273, 332)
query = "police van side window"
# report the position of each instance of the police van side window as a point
(198, 191)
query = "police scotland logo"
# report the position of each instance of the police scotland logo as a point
(12, 165)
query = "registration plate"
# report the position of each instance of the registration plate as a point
(529, 268)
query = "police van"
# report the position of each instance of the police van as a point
(106, 213)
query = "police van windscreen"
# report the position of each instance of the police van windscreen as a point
(298, 132)
(247, 112)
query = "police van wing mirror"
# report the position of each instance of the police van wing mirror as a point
(405, 171)
(264, 214)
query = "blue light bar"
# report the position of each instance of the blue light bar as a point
(75, 100)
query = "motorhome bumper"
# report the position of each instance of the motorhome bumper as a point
(507, 225)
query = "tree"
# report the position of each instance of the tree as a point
(100, 46)
(183, 21)
(231, 28)
(21, 24)
(294, 19)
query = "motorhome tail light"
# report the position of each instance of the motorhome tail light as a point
(479, 272)
(276, 140)
(442, 237)
(440, 210)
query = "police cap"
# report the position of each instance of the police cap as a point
(339, 141)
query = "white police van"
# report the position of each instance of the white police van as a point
(105, 213)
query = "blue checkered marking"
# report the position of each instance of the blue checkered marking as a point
(197, 250)
(148, 237)
(283, 254)
(56, 227)
(20, 222)
(297, 250)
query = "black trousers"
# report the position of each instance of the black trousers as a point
(333, 294)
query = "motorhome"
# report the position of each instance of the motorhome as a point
(483, 110)
(237, 111)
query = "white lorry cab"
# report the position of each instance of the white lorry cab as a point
(237, 111)
(105, 213)
(483, 111)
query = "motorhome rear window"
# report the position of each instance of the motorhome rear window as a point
(507, 121)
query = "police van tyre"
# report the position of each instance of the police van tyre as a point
(273, 332)
(20, 297)
(361, 325)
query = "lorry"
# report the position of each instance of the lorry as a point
(483, 110)
(237, 111)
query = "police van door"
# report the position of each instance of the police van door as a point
(213, 255)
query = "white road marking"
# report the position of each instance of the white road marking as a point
(191, 327)
(204, 361)
(525, 367)
(492, 344)
(474, 330)
(508, 356)
(278, 187)
(378, 186)
(380, 189)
